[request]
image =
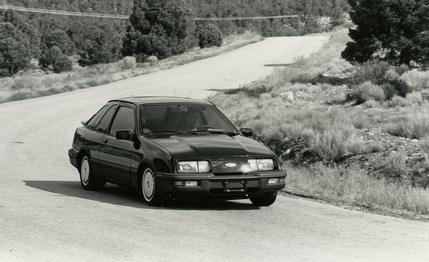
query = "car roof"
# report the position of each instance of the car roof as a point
(143, 100)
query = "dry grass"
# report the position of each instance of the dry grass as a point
(38, 83)
(418, 80)
(414, 125)
(355, 186)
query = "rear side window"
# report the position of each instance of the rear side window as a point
(104, 123)
(95, 118)
(124, 120)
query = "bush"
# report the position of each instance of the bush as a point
(62, 64)
(329, 145)
(54, 57)
(49, 56)
(372, 71)
(382, 74)
(417, 80)
(366, 92)
(415, 126)
(128, 62)
(209, 35)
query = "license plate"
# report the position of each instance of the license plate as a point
(233, 185)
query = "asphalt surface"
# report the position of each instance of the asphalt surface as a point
(46, 216)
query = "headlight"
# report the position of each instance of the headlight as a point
(193, 166)
(261, 164)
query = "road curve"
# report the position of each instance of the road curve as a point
(46, 216)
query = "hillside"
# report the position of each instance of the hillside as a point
(343, 138)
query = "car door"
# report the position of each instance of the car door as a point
(99, 127)
(119, 155)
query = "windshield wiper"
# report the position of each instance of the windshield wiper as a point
(166, 132)
(213, 131)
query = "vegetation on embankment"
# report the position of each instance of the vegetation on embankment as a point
(35, 83)
(350, 134)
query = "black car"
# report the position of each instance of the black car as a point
(168, 147)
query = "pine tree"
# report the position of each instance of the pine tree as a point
(396, 31)
(159, 27)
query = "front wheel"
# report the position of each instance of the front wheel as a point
(263, 200)
(88, 179)
(148, 189)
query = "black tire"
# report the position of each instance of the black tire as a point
(147, 188)
(88, 180)
(263, 200)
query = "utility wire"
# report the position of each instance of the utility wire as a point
(125, 17)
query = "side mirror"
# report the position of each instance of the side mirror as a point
(124, 135)
(247, 132)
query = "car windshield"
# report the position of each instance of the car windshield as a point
(184, 119)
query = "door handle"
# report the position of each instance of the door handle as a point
(105, 141)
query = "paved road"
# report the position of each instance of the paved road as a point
(45, 216)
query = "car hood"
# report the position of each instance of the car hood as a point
(207, 146)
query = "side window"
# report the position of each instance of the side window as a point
(104, 123)
(124, 120)
(95, 118)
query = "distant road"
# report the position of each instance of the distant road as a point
(46, 216)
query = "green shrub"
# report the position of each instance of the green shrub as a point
(209, 35)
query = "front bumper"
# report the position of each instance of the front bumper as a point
(224, 186)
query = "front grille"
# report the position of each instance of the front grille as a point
(230, 166)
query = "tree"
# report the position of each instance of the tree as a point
(60, 39)
(50, 56)
(95, 43)
(159, 27)
(29, 32)
(395, 31)
(14, 55)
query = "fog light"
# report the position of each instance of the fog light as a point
(191, 183)
(273, 181)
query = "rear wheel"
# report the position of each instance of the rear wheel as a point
(88, 179)
(148, 188)
(263, 200)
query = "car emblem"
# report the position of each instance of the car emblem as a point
(230, 165)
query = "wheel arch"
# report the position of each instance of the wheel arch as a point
(80, 155)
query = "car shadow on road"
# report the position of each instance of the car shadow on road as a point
(122, 196)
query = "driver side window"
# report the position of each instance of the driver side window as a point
(104, 123)
(124, 121)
